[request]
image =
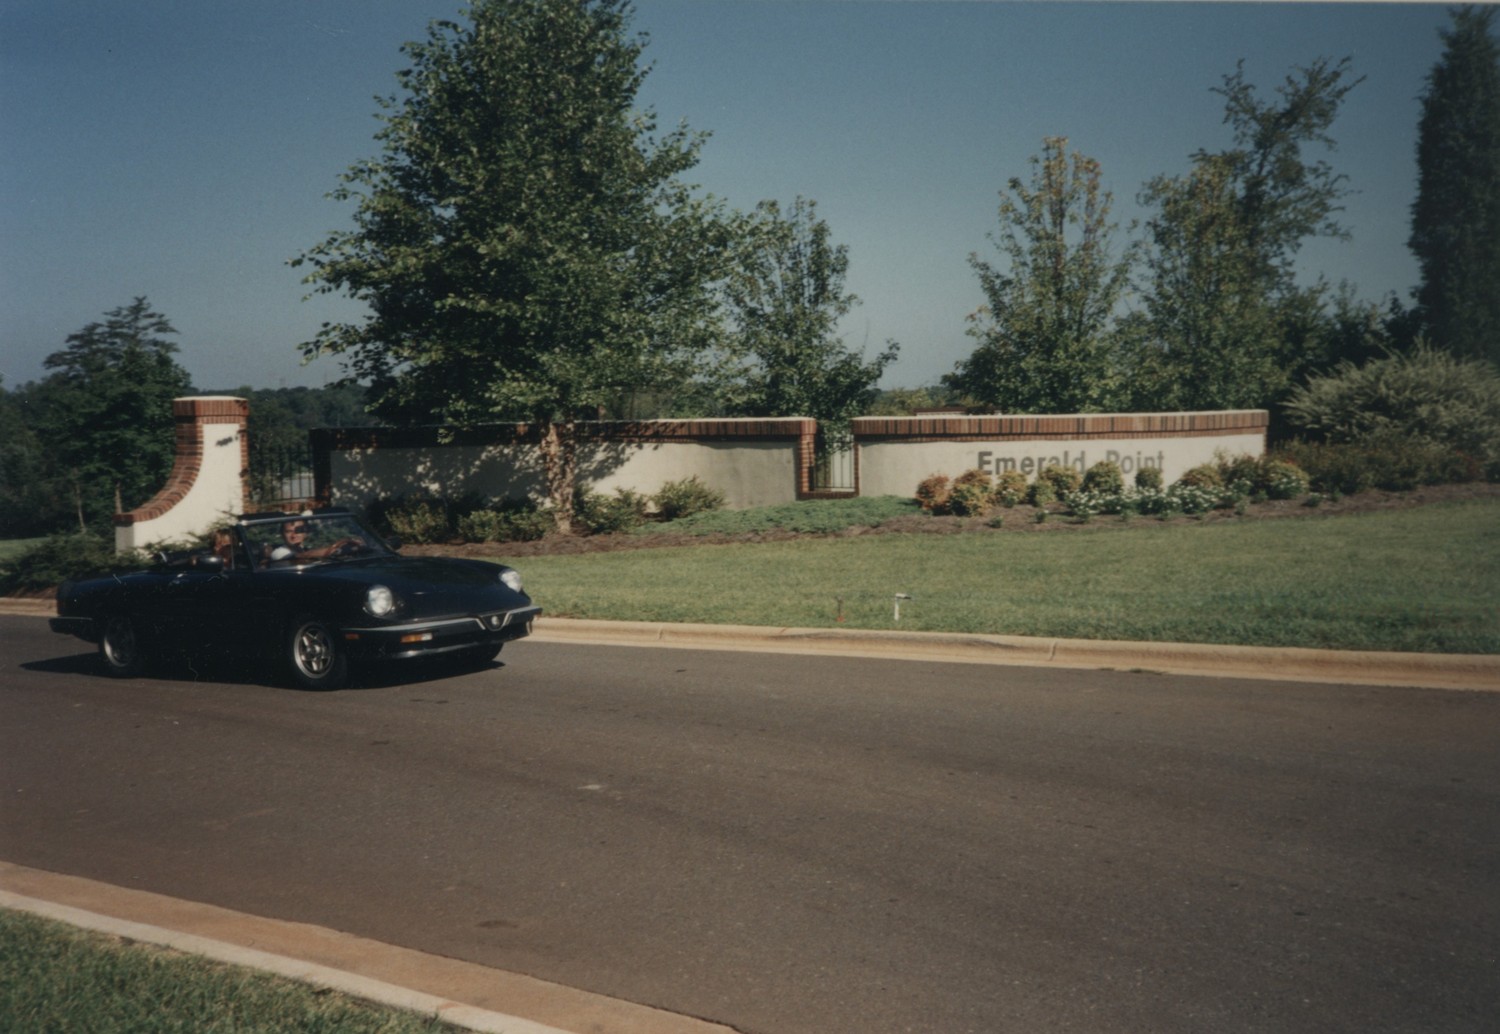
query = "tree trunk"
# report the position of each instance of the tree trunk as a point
(560, 464)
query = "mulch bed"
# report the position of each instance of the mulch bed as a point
(1018, 520)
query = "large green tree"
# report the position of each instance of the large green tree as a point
(1455, 220)
(1222, 306)
(105, 414)
(1044, 336)
(524, 242)
(786, 297)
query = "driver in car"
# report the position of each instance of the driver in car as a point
(294, 546)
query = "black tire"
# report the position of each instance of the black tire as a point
(121, 649)
(314, 656)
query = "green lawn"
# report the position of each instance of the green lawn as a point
(56, 978)
(1425, 579)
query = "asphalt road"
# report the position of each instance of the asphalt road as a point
(797, 844)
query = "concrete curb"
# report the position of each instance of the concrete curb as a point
(1478, 672)
(460, 993)
(1435, 671)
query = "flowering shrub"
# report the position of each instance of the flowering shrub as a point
(1085, 505)
(1150, 478)
(1282, 480)
(1196, 499)
(1041, 493)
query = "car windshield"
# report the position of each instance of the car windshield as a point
(307, 539)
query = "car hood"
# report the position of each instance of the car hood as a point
(428, 586)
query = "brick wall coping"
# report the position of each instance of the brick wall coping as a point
(1072, 426)
(725, 429)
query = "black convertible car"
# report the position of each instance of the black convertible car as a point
(311, 592)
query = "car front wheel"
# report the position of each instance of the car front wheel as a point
(120, 647)
(314, 657)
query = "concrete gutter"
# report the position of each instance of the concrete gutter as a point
(1362, 667)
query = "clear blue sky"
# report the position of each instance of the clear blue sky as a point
(182, 149)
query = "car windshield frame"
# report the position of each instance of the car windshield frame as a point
(328, 538)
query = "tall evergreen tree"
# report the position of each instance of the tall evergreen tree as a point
(524, 243)
(106, 413)
(1455, 219)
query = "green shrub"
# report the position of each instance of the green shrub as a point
(511, 520)
(1041, 492)
(684, 498)
(58, 558)
(1010, 487)
(598, 514)
(1150, 478)
(1063, 480)
(970, 498)
(933, 491)
(1282, 480)
(1241, 474)
(1104, 477)
(420, 518)
(1205, 475)
(1428, 398)
(980, 478)
(1396, 465)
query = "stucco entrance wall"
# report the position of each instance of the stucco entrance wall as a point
(897, 453)
(754, 462)
(207, 485)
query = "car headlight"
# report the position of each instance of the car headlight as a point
(379, 601)
(512, 579)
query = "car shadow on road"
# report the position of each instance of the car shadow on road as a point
(232, 672)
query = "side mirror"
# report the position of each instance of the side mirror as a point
(394, 542)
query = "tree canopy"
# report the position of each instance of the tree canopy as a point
(101, 424)
(1220, 287)
(786, 296)
(1044, 334)
(524, 241)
